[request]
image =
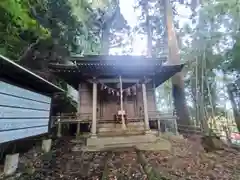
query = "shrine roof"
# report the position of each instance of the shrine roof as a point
(112, 66)
(116, 59)
(109, 65)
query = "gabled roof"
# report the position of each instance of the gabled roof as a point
(80, 68)
(13, 72)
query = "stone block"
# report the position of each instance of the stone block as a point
(46, 145)
(11, 164)
(120, 141)
(212, 143)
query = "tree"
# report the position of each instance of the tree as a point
(177, 79)
(211, 48)
(234, 94)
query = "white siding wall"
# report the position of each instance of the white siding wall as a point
(23, 113)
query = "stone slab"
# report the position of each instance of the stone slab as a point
(159, 145)
(120, 141)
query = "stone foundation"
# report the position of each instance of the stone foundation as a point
(101, 143)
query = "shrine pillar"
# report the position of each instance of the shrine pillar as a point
(121, 104)
(94, 110)
(145, 107)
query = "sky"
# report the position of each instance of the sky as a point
(140, 42)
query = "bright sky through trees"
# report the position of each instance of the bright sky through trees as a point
(139, 41)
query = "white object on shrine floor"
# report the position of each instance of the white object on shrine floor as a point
(121, 112)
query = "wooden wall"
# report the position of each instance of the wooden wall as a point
(108, 105)
(85, 97)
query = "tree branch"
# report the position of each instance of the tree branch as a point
(30, 47)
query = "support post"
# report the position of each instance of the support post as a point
(79, 100)
(78, 129)
(59, 127)
(94, 110)
(121, 103)
(78, 110)
(176, 127)
(145, 107)
(159, 127)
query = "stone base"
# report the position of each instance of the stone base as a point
(101, 143)
(46, 145)
(144, 142)
(11, 164)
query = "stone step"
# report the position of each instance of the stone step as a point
(120, 130)
(120, 133)
(139, 126)
(120, 140)
(143, 145)
(119, 125)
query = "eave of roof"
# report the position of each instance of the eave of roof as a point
(23, 76)
(115, 58)
(159, 72)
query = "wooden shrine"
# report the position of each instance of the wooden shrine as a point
(115, 92)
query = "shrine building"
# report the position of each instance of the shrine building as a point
(116, 93)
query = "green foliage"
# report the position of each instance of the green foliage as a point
(16, 23)
(20, 16)
(212, 51)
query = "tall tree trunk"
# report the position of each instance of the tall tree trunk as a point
(234, 106)
(177, 79)
(203, 117)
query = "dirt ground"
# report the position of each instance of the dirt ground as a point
(187, 160)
